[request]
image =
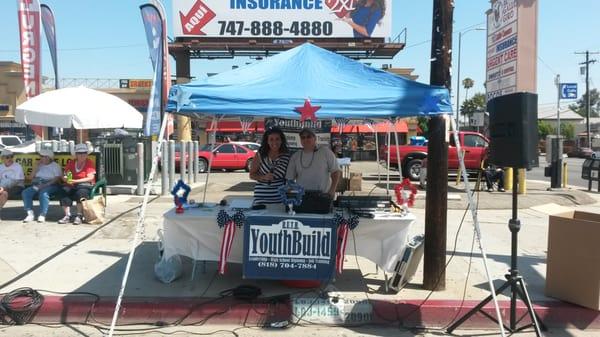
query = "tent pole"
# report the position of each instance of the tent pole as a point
(398, 153)
(476, 228)
(213, 139)
(377, 157)
(389, 141)
(139, 228)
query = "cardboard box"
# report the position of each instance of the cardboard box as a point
(573, 262)
(355, 183)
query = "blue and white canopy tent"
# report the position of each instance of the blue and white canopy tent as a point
(340, 86)
(312, 80)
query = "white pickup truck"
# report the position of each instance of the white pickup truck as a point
(9, 140)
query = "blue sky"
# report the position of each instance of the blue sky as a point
(105, 39)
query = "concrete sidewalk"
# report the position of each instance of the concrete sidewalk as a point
(79, 268)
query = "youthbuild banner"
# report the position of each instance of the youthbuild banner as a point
(281, 248)
(283, 18)
(29, 33)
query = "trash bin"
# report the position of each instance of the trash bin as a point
(590, 171)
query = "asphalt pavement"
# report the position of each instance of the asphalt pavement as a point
(72, 266)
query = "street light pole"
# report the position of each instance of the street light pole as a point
(458, 73)
(458, 82)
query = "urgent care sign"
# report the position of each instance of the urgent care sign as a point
(280, 18)
(511, 47)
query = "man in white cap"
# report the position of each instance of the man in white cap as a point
(80, 177)
(46, 177)
(11, 177)
(314, 168)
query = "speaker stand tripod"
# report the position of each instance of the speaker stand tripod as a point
(514, 281)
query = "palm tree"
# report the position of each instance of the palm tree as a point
(467, 84)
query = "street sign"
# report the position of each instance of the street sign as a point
(477, 119)
(568, 90)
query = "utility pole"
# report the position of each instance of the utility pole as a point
(436, 207)
(587, 94)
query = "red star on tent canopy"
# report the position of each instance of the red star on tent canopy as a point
(307, 111)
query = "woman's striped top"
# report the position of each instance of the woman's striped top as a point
(268, 193)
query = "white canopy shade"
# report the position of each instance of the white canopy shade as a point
(80, 108)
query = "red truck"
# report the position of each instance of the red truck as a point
(474, 145)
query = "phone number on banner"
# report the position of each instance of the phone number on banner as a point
(286, 265)
(276, 28)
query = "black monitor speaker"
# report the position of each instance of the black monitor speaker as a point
(513, 130)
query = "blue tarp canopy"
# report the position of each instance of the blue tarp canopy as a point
(278, 85)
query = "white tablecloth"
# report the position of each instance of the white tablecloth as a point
(195, 234)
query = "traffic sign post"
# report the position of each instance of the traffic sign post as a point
(568, 91)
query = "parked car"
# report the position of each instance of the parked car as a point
(228, 156)
(581, 152)
(252, 146)
(9, 140)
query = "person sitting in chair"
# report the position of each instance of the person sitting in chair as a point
(494, 174)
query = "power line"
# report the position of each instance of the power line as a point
(84, 48)
(458, 31)
(547, 66)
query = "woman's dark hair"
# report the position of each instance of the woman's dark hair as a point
(264, 144)
(376, 4)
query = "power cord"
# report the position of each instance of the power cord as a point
(21, 305)
(401, 319)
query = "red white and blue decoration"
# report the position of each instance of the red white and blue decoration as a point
(180, 193)
(224, 220)
(307, 111)
(291, 194)
(343, 226)
(401, 198)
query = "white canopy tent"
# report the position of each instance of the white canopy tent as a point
(79, 108)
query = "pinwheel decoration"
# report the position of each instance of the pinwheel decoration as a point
(291, 194)
(180, 193)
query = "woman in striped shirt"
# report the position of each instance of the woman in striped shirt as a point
(269, 167)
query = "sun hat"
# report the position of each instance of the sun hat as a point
(46, 153)
(82, 148)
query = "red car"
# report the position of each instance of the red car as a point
(225, 156)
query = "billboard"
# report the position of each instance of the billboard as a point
(511, 47)
(282, 18)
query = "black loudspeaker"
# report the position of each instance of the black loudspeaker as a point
(513, 130)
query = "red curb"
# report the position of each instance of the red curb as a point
(262, 312)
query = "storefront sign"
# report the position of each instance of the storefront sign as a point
(282, 248)
(135, 84)
(280, 18)
(511, 47)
